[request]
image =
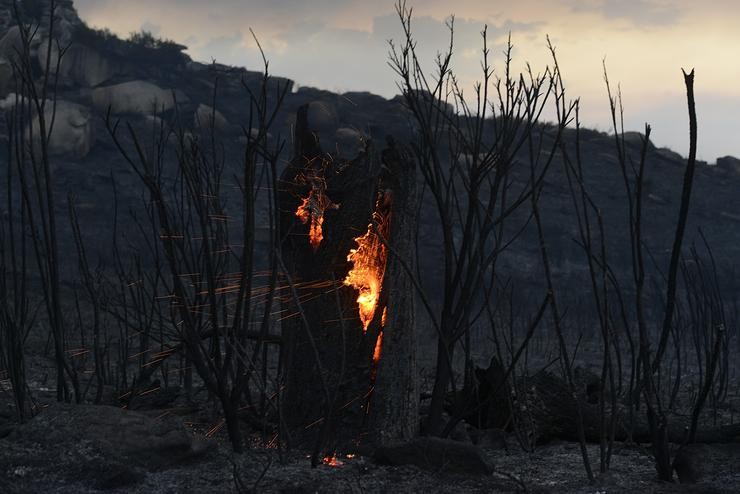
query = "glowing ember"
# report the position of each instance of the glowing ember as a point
(332, 461)
(369, 260)
(308, 213)
(312, 210)
(378, 347)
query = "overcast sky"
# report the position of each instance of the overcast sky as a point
(341, 45)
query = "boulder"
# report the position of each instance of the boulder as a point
(81, 64)
(134, 97)
(73, 129)
(349, 142)
(205, 115)
(436, 454)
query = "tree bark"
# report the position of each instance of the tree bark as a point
(394, 412)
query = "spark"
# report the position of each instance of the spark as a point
(136, 355)
(153, 362)
(215, 428)
(219, 217)
(149, 391)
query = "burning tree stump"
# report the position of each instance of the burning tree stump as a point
(348, 313)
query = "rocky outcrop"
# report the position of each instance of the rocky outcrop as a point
(66, 19)
(729, 163)
(37, 11)
(135, 97)
(81, 64)
(636, 139)
(669, 155)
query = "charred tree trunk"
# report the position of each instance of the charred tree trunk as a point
(394, 412)
(329, 368)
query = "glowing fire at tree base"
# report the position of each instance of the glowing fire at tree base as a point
(333, 461)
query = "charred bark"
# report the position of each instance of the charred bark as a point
(328, 365)
(394, 408)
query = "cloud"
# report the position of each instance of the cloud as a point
(221, 48)
(637, 12)
(315, 54)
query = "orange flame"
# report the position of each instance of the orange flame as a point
(312, 209)
(379, 342)
(369, 260)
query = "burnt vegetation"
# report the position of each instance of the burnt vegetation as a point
(359, 305)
